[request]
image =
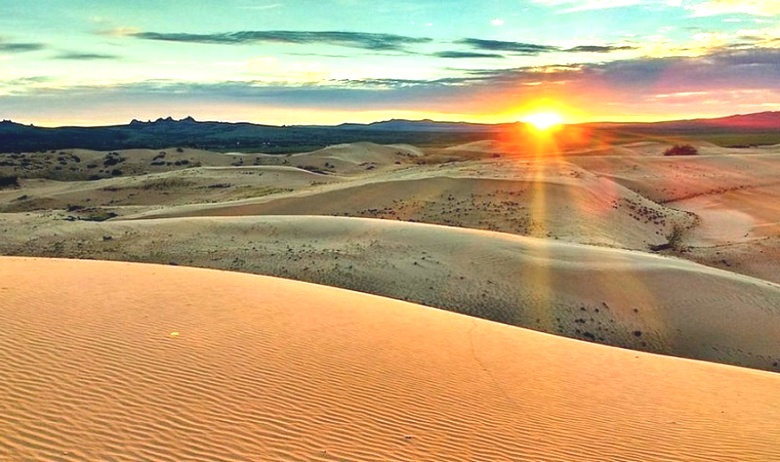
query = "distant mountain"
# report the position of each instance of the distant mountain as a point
(223, 136)
(760, 121)
(425, 125)
(757, 121)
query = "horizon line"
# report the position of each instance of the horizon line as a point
(378, 121)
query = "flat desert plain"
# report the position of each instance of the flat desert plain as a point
(618, 246)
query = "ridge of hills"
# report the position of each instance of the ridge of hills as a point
(745, 129)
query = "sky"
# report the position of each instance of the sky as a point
(281, 62)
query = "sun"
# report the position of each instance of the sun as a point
(543, 120)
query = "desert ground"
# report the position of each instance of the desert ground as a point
(559, 242)
(126, 361)
(674, 260)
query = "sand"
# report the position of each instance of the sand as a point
(611, 296)
(535, 266)
(121, 361)
(733, 192)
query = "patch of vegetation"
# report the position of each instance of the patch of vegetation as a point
(97, 215)
(9, 181)
(160, 184)
(313, 169)
(674, 240)
(681, 150)
(248, 192)
(113, 158)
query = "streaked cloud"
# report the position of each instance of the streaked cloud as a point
(75, 56)
(600, 48)
(723, 78)
(533, 49)
(20, 47)
(529, 49)
(466, 54)
(270, 6)
(363, 40)
(122, 31)
(752, 7)
(573, 6)
(388, 55)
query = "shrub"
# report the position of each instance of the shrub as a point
(11, 181)
(681, 150)
(675, 237)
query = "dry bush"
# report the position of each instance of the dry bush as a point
(681, 150)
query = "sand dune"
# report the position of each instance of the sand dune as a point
(734, 193)
(192, 185)
(723, 200)
(615, 297)
(545, 199)
(119, 361)
(356, 157)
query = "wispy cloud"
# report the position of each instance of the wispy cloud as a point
(122, 31)
(533, 49)
(363, 40)
(752, 7)
(574, 6)
(20, 47)
(735, 73)
(466, 54)
(270, 6)
(75, 56)
(629, 82)
(529, 49)
(600, 48)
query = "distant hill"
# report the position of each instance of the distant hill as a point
(224, 136)
(427, 125)
(764, 128)
(759, 121)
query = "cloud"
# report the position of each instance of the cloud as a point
(725, 81)
(363, 40)
(270, 6)
(752, 7)
(528, 49)
(574, 6)
(11, 47)
(532, 49)
(599, 48)
(123, 31)
(25, 81)
(85, 56)
(466, 54)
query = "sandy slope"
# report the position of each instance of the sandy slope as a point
(734, 192)
(119, 361)
(356, 157)
(617, 196)
(622, 298)
(544, 198)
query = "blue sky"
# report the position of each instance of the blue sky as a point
(68, 62)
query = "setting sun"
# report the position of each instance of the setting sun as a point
(543, 120)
